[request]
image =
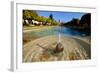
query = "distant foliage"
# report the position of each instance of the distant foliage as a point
(29, 14)
(83, 25)
(51, 16)
(32, 15)
(86, 19)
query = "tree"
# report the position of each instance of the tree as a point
(29, 14)
(75, 21)
(51, 16)
(48, 20)
(86, 18)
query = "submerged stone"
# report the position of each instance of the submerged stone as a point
(59, 48)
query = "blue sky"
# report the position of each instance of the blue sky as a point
(62, 16)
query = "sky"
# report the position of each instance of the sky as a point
(62, 16)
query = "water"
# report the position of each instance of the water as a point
(69, 31)
(56, 31)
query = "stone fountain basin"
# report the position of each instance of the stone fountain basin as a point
(75, 48)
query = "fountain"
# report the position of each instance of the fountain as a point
(59, 47)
